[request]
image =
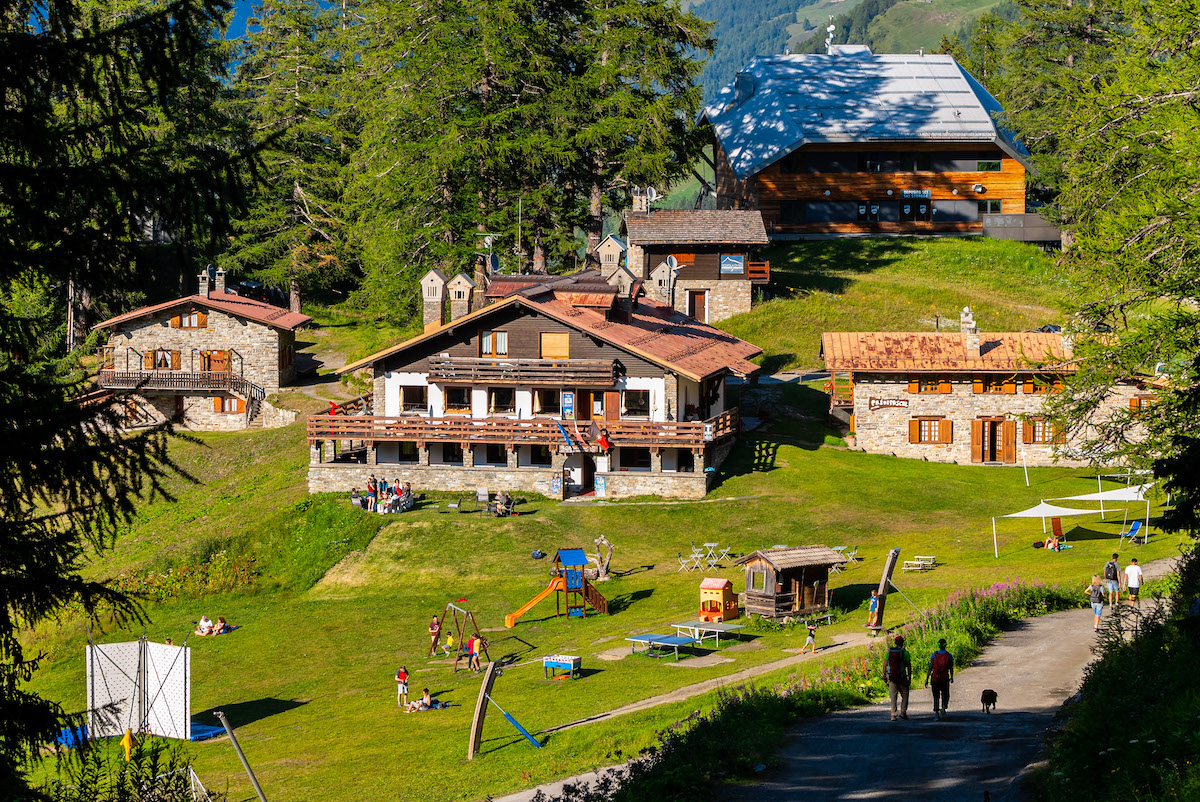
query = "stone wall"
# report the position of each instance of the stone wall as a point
(725, 298)
(885, 430)
(256, 346)
(199, 413)
(337, 477)
(624, 484)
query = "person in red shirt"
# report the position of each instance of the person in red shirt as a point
(402, 686)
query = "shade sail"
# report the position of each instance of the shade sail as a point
(1135, 493)
(1045, 510)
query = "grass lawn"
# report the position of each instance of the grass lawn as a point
(901, 284)
(344, 598)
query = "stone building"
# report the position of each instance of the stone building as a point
(562, 385)
(964, 397)
(697, 262)
(206, 361)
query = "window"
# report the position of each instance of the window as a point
(990, 206)
(546, 402)
(635, 404)
(502, 400)
(636, 459)
(407, 452)
(685, 461)
(930, 430)
(929, 383)
(414, 399)
(539, 455)
(793, 163)
(1141, 402)
(493, 454)
(458, 399)
(493, 343)
(554, 345)
(452, 453)
(610, 257)
(191, 320)
(870, 163)
(161, 359)
(758, 581)
(1042, 385)
(431, 291)
(1040, 431)
(989, 166)
(228, 405)
(916, 210)
(992, 384)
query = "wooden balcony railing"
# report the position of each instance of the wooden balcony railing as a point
(542, 431)
(758, 272)
(180, 380)
(586, 372)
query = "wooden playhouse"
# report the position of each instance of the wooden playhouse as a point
(718, 601)
(783, 582)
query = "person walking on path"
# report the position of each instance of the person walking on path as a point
(1095, 593)
(940, 675)
(898, 671)
(810, 639)
(1133, 581)
(1112, 578)
(873, 609)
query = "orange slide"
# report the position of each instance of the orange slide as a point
(558, 583)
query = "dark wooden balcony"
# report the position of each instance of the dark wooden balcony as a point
(758, 272)
(179, 380)
(572, 435)
(577, 372)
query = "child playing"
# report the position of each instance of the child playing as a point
(448, 646)
(811, 639)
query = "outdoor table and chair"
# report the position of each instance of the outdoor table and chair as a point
(660, 645)
(920, 563)
(700, 631)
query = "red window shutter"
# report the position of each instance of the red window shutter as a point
(946, 431)
(944, 385)
(1009, 443)
(976, 441)
(148, 362)
(175, 322)
(914, 431)
(1026, 432)
(217, 404)
(977, 387)
(176, 358)
(914, 384)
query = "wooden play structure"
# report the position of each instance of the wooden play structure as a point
(571, 587)
(464, 625)
(789, 581)
(718, 601)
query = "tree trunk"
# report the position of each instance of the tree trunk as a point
(539, 255)
(595, 221)
(294, 295)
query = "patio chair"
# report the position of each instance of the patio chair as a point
(684, 562)
(1131, 534)
(852, 556)
(1057, 530)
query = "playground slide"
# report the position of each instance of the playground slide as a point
(556, 584)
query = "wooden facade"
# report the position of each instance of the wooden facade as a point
(788, 581)
(863, 188)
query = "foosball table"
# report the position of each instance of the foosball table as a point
(560, 662)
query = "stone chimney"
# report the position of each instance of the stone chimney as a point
(220, 281)
(460, 289)
(966, 324)
(433, 299)
(202, 284)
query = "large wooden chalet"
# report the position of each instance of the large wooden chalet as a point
(559, 385)
(206, 361)
(853, 143)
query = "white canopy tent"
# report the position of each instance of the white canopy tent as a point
(1133, 493)
(1043, 511)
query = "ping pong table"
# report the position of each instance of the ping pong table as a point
(701, 630)
(660, 645)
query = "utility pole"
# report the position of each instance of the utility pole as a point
(237, 748)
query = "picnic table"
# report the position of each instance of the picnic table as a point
(659, 645)
(701, 630)
(920, 563)
(560, 662)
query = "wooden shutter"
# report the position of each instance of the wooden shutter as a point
(1010, 386)
(555, 345)
(977, 384)
(914, 384)
(175, 360)
(148, 363)
(914, 430)
(217, 404)
(944, 384)
(175, 322)
(241, 405)
(1135, 403)
(976, 441)
(202, 320)
(1026, 432)
(946, 431)
(1030, 387)
(1009, 442)
(1060, 436)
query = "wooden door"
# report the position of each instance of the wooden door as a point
(612, 405)
(697, 305)
(583, 404)
(976, 441)
(1008, 449)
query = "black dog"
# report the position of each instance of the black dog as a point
(988, 699)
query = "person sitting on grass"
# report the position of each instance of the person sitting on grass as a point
(1052, 544)
(221, 627)
(204, 627)
(425, 703)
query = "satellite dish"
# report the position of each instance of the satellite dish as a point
(831, 28)
(487, 241)
(651, 194)
(672, 262)
(493, 261)
(212, 272)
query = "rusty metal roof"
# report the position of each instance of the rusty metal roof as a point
(944, 352)
(230, 304)
(797, 557)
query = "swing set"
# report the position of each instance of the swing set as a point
(464, 624)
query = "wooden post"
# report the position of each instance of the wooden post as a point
(481, 706)
(889, 565)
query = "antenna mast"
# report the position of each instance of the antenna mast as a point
(829, 37)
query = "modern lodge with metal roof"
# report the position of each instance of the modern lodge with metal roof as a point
(558, 385)
(855, 143)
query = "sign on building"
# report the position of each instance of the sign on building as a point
(734, 265)
(885, 403)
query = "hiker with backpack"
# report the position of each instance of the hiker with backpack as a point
(898, 672)
(1112, 578)
(940, 675)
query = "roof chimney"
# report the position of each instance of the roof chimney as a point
(220, 281)
(743, 87)
(966, 324)
(202, 288)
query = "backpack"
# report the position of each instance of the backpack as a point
(895, 665)
(1110, 570)
(940, 668)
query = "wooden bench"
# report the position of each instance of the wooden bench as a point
(920, 563)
